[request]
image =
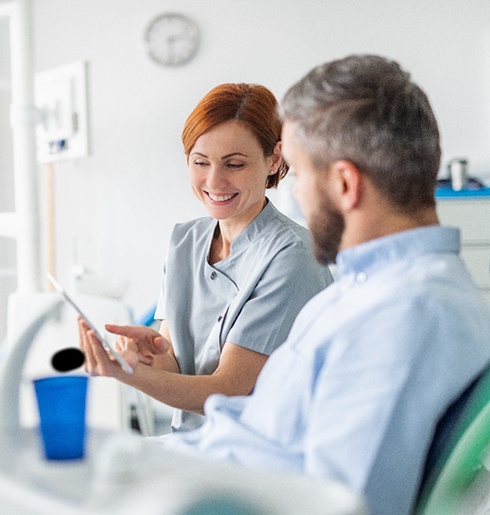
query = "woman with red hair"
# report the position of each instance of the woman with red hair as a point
(234, 281)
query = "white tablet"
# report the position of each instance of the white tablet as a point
(110, 348)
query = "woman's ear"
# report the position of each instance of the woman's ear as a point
(348, 180)
(276, 156)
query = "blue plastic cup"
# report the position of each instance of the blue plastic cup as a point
(62, 401)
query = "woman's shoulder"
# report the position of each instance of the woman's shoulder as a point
(192, 233)
(195, 226)
(291, 230)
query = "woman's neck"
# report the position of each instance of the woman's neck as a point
(225, 233)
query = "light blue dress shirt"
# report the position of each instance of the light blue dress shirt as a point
(370, 365)
(251, 298)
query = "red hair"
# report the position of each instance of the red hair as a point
(251, 104)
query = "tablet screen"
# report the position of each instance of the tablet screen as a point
(110, 348)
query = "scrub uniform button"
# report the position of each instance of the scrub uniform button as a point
(213, 275)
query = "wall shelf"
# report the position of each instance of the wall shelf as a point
(442, 193)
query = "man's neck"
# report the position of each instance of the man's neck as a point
(363, 226)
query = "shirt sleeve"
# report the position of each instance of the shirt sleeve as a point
(160, 309)
(290, 280)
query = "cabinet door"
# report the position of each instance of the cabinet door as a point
(477, 260)
(471, 216)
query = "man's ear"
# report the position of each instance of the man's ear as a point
(347, 180)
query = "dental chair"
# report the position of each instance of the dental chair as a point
(123, 474)
(456, 479)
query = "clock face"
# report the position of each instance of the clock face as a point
(172, 39)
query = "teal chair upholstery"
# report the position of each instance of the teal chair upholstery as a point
(459, 449)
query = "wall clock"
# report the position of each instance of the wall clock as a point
(172, 39)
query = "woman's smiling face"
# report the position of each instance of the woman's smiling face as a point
(228, 173)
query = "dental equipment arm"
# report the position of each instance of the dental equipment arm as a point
(11, 368)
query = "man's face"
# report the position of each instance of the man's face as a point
(312, 191)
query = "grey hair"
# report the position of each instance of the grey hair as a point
(366, 109)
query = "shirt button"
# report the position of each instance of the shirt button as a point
(213, 275)
(361, 277)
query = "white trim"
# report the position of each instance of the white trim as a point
(24, 146)
(6, 9)
(8, 225)
(8, 272)
(5, 84)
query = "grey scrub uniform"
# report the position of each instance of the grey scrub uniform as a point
(250, 298)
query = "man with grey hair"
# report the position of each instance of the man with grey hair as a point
(374, 360)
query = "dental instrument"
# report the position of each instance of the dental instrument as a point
(11, 371)
(67, 359)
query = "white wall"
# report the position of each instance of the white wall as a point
(115, 209)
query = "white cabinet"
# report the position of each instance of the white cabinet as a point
(472, 216)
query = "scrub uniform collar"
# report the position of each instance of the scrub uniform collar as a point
(405, 245)
(254, 227)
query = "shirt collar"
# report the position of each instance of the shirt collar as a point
(404, 245)
(254, 227)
